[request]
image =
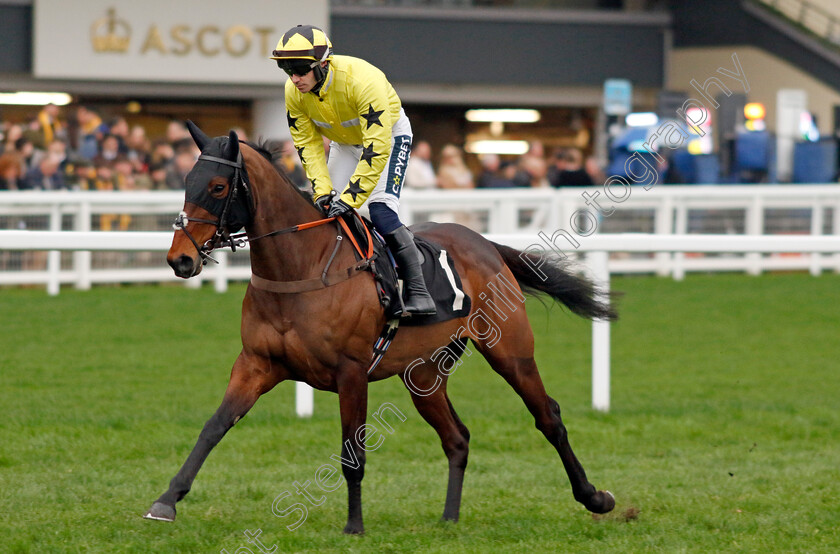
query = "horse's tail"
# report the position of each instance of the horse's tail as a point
(537, 276)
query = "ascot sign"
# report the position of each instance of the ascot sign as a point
(111, 34)
(161, 40)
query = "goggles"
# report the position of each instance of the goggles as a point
(296, 67)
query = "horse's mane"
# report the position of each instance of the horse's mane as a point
(271, 151)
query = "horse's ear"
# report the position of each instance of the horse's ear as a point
(232, 149)
(201, 140)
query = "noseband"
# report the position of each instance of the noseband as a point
(221, 238)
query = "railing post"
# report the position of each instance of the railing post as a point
(567, 208)
(54, 256)
(816, 229)
(681, 228)
(82, 258)
(755, 226)
(304, 400)
(599, 266)
(836, 230)
(553, 220)
(221, 277)
(504, 217)
(664, 225)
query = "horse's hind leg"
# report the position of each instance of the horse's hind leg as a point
(522, 374)
(249, 379)
(438, 412)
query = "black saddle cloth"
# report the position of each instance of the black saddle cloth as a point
(442, 279)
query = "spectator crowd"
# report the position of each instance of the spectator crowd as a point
(565, 167)
(80, 150)
(85, 152)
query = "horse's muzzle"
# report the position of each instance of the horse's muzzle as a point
(184, 266)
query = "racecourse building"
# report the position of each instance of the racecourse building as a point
(581, 64)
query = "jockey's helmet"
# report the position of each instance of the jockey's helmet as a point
(301, 49)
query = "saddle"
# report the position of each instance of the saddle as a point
(442, 280)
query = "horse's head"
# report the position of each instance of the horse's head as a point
(218, 202)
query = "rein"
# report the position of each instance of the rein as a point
(242, 238)
(325, 280)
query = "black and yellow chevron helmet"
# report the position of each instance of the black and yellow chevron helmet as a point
(304, 42)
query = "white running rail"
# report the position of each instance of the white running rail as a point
(596, 247)
(664, 210)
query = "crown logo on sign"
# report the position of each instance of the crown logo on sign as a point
(110, 34)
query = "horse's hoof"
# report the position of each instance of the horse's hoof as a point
(161, 512)
(354, 529)
(601, 503)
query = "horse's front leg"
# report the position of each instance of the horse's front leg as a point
(251, 377)
(352, 400)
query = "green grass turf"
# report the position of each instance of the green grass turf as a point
(723, 433)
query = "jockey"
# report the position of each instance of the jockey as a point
(351, 103)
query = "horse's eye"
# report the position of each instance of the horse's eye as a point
(217, 188)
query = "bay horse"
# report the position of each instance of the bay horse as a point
(324, 336)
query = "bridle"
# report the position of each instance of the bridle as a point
(221, 238)
(180, 224)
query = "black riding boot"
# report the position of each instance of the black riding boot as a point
(418, 301)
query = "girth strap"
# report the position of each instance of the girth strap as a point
(306, 285)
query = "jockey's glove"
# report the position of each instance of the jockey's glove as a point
(338, 207)
(323, 203)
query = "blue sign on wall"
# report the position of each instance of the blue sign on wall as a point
(618, 96)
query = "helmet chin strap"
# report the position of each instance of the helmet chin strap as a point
(320, 72)
(320, 77)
